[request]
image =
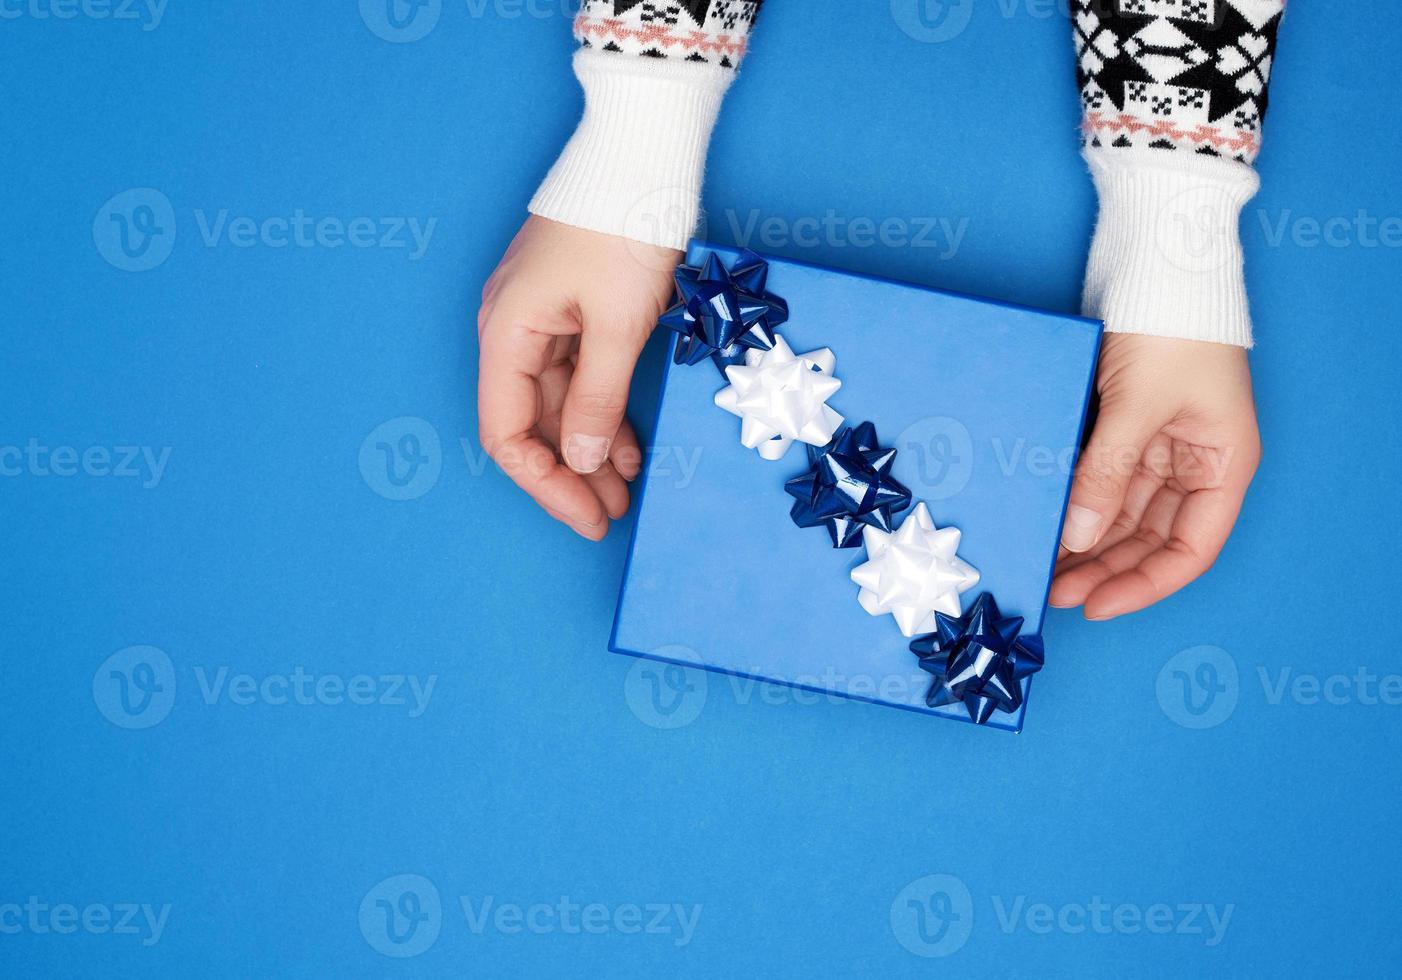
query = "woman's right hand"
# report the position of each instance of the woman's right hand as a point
(563, 320)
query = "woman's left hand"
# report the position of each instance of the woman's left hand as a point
(1160, 485)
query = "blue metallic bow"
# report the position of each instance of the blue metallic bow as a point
(979, 659)
(720, 314)
(848, 486)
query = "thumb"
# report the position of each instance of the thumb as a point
(1103, 474)
(598, 396)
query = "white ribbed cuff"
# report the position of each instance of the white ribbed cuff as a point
(634, 166)
(1166, 259)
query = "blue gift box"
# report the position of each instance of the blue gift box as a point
(984, 403)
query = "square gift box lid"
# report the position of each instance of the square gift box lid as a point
(984, 403)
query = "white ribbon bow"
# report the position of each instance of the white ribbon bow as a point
(914, 573)
(781, 397)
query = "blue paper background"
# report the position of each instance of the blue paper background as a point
(542, 766)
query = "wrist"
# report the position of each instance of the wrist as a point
(634, 166)
(1166, 259)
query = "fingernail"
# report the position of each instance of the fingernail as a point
(572, 521)
(1099, 612)
(1059, 597)
(585, 454)
(1082, 523)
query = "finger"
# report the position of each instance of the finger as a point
(554, 383)
(1073, 586)
(1103, 475)
(1153, 471)
(509, 408)
(610, 488)
(606, 484)
(1121, 529)
(532, 465)
(626, 455)
(1142, 488)
(598, 396)
(1200, 530)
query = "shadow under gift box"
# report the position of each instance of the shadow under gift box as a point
(984, 403)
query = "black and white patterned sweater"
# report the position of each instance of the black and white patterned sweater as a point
(1173, 95)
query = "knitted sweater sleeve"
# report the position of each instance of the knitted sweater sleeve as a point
(1173, 93)
(654, 73)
